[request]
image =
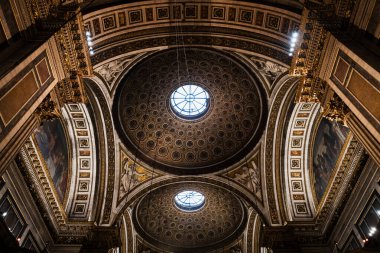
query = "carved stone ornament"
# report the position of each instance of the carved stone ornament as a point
(71, 90)
(336, 110)
(132, 174)
(248, 175)
(268, 68)
(47, 109)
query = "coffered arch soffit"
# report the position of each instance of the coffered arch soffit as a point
(291, 5)
(122, 22)
(121, 33)
(296, 169)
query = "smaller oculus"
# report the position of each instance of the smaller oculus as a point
(190, 101)
(189, 201)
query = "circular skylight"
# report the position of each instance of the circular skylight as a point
(189, 200)
(190, 101)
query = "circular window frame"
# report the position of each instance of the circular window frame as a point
(177, 111)
(184, 207)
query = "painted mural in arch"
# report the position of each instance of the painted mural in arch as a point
(328, 145)
(51, 140)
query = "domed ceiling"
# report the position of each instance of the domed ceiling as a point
(220, 222)
(225, 132)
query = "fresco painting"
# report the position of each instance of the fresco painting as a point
(51, 140)
(328, 145)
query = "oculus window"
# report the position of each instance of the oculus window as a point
(190, 101)
(189, 201)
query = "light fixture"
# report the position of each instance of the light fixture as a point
(189, 201)
(190, 101)
(293, 41)
(89, 42)
(4, 214)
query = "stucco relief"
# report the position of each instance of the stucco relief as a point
(132, 174)
(248, 175)
(268, 69)
(112, 70)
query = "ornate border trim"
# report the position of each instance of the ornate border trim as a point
(247, 16)
(40, 178)
(83, 176)
(340, 184)
(298, 191)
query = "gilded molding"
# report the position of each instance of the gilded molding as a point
(318, 21)
(47, 110)
(336, 109)
(339, 190)
(75, 58)
(40, 176)
(194, 40)
(340, 184)
(308, 58)
(35, 173)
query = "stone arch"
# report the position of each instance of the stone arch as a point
(103, 125)
(281, 100)
(158, 182)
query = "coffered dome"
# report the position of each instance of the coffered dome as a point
(189, 112)
(220, 221)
